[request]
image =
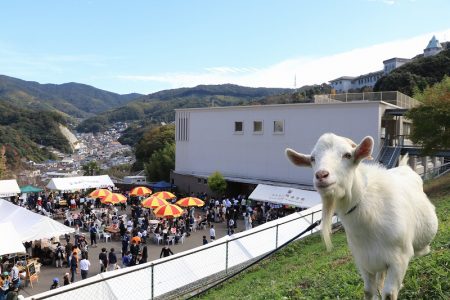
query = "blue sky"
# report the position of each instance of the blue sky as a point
(147, 46)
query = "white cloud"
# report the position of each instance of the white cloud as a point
(307, 70)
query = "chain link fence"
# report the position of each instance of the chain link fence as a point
(183, 272)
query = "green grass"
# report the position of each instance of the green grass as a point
(304, 270)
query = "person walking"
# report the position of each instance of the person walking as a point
(103, 259)
(73, 266)
(112, 260)
(84, 266)
(144, 255)
(205, 241)
(59, 256)
(212, 233)
(93, 234)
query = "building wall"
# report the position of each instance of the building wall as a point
(208, 142)
(342, 85)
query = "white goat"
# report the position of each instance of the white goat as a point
(386, 215)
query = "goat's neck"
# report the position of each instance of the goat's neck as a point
(353, 193)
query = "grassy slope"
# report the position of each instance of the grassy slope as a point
(304, 270)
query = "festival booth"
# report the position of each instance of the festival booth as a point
(19, 225)
(80, 183)
(285, 196)
(9, 188)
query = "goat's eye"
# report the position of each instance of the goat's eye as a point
(347, 155)
(313, 159)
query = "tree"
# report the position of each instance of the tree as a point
(160, 163)
(91, 168)
(3, 168)
(217, 183)
(431, 119)
(153, 140)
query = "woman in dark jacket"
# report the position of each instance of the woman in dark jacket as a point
(144, 255)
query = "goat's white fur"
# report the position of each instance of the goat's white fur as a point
(393, 219)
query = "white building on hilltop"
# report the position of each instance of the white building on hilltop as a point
(246, 144)
(344, 84)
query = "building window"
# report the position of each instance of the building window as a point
(199, 180)
(239, 127)
(257, 126)
(278, 127)
(182, 129)
(205, 181)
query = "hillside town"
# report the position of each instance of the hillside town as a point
(102, 148)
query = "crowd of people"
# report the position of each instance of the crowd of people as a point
(91, 218)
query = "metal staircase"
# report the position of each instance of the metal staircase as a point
(389, 156)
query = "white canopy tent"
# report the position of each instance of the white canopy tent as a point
(80, 183)
(30, 226)
(10, 240)
(9, 188)
(285, 195)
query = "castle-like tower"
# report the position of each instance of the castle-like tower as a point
(433, 48)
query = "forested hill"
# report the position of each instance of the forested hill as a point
(26, 134)
(74, 99)
(419, 73)
(160, 106)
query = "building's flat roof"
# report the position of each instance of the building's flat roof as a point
(274, 105)
(396, 58)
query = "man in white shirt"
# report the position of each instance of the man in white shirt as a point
(212, 233)
(84, 267)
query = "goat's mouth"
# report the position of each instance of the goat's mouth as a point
(324, 185)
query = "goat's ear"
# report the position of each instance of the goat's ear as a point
(298, 159)
(364, 149)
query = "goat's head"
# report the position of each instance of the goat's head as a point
(333, 160)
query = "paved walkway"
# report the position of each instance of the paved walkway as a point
(49, 272)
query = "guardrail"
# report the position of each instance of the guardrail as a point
(160, 277)
(394, 97)
(436, 172)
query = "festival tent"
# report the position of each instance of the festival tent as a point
(80, 183)
(161, 185)
(30, 189)
(10, 240)
(285, 196)
(30, 226)
(9, 188)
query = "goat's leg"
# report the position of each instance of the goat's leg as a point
(394, 278)
(370, 285)
(381, 276)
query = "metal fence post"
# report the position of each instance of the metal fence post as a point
(276, 237)
(153, 281)
(226, 259)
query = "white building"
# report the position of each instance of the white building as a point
(344, 84)
(246, 144)
(134, 179)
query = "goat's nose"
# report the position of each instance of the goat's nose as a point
(321, 174)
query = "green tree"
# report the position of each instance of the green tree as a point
(91, 168)
(153, 140)
(161, 163)
(431, 119)
(3, 168)
(217, 183)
